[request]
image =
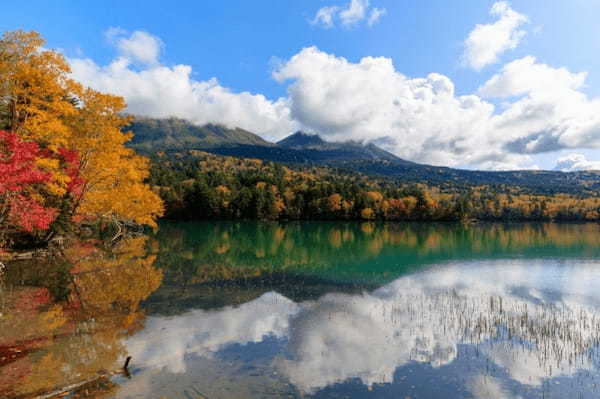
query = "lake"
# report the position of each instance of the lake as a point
(311, 309)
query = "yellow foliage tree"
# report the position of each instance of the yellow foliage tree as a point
(335, 202)
(367, 213)
(36, 91)
(35, 96)
(114, 174)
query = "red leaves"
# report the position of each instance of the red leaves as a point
(29, 214)
(18, 174)
(30, 299)
(17, 164)
(20, 177)
(21, 200)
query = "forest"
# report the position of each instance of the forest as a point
(196, 185)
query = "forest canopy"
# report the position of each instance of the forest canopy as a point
(196, 185)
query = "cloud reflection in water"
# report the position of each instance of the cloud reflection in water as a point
(533, 319)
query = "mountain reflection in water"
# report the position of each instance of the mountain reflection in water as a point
(242, 309)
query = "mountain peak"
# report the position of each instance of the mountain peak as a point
(301, 140)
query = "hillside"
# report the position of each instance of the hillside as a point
(173, 134)
(153, 135)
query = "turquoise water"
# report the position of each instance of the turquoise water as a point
(353, 310)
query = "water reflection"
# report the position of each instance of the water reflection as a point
(63, 321)
(532, 321)
(228, 310)
(209, 265)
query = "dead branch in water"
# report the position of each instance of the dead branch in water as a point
(72, 388)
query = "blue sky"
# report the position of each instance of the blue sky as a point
(241, 43)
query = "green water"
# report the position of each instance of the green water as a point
(313, 309)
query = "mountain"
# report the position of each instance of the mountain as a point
(302, 141)
(347, 150)
(152, 134)
(177, 135)
(173, 134)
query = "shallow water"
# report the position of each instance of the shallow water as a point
(231, 310)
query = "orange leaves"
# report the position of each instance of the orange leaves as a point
(375, 196)
(113, 173)
(334, 202)
(367, 213)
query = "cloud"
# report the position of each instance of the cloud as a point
(486, 387)
(487, 42)
(354, 12)
(526, 75)
(165, 342)
(158, 90)
(573, 162)
(375, 15)
(422, 119)
(324, 16)
(350, 15)
(139, 47)
(416, 118)
(548, 111)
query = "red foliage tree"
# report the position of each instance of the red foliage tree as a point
(19, 176)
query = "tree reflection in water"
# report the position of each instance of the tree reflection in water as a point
(63, 321)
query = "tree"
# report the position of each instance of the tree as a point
(36, 91)
(367, 213)
(114, 174)
(335, 203)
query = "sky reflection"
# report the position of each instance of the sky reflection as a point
(534, 320)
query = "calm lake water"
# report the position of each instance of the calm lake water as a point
(340, 310)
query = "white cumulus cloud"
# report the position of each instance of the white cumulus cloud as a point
(421, 119)
(140, 46)
(526, 75)
(158, 90)
(416, 118)
(573, 162)
(349, 15)
(487, 42)
(548, 112)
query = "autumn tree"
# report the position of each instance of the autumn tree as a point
(88, 171)
(114, 174)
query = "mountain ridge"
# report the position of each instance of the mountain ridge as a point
(151, 134)
(176, 135)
